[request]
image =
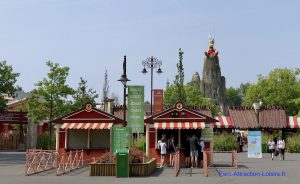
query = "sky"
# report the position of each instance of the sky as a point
(91, 36)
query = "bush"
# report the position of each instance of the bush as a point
(105, 158)
(136, 155)
(140, 143)
(224, 142)
(43, 141)
(293, 143)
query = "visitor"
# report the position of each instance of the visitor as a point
(276, 152)
(163, 151)
(171, 147)
(281, 147)
(239, 143)
(202, 148)
(271, 145)
(187, 151)
(193, 150)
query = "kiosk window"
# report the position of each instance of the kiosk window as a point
(77, 139)
(99, 139)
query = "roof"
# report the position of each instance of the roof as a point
(180, 114)
(243, 117)
(89, 114)
(272, 117)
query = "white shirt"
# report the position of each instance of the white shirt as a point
(281, 144)
(271, 144)
(163, 148)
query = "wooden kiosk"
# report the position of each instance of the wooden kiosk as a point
(179, 121)
(87, 129)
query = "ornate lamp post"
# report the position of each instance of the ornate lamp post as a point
(152, 63)
(124, 80)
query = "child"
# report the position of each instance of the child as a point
(281, 147)
(163, 151)
(271, 145)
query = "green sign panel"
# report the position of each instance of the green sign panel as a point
(207, 134)
(136, 109)
(121, 138)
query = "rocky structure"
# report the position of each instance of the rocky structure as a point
(212, 84)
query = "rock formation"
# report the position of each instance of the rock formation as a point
(212, 84)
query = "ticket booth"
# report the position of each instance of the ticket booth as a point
(180, 122)
(88, 129)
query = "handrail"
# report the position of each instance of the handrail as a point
(177, 162)
(69, 161)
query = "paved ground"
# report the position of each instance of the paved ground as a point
(12, 172)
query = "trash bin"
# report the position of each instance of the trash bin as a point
(264, 147)
(122, 169)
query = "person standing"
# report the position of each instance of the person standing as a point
(187, 151)
(202, 148)
(271, 145)
(171, 146)
(281, 147)
(163, 151)
(194, 152)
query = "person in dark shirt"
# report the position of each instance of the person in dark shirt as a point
(187, 151)
(194, 152)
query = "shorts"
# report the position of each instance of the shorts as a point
(162, 155)
(271, 150)
(187, 153)
(281, 150)
(172, 150)
(200, 157)
(194, 153)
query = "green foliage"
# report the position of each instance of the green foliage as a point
(280, 88)
(43, 141)
(140, 143)
(224, 142)
(7, 83)
(83, 95)
(293, 143)
(48, 99)
(233, 96)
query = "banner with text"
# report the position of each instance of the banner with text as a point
(254, 144)
(136, 109)
(158, 101)
(121, 138)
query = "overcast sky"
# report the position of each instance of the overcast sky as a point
(90, 36)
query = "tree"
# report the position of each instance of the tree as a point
(8, 78)
(233, 96)
(83, 95)
(179, 78)
(280, 88)
(48, 100)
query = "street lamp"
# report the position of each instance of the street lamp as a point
(124, 80)
(152, 63)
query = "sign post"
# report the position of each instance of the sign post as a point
(136, 111)
(254, 144)
(121, 139)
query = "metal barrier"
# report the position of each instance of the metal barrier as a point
(234, 161)
(39, 161)
(177, 162)
(69, 162)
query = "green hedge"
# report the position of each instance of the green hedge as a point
(224, 142)
(293, 143)
(43, 141)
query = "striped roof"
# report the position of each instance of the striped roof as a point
(293, 122)
(87, 125)
(179, 125)
(224, 122)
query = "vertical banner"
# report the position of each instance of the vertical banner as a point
(254, 144)
(136, 109)
(158, 101)
(121, 138)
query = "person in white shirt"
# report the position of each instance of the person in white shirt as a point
(163, 151)
(271, 145)
(281, 147)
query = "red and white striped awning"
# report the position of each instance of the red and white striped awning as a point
(86, 125)
(293, 122)
(224, 122)
(179, 125)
